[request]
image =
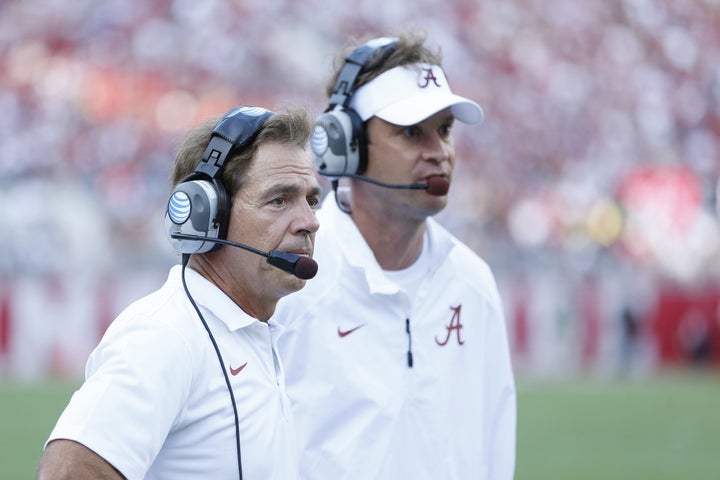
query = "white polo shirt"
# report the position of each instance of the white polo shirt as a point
(362, 411)
(155, 402)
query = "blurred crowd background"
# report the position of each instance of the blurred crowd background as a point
(591, 188)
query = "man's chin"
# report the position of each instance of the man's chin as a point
(289, 283)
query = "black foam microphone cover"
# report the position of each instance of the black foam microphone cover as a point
(302, 267)
(438, 186)
(306, 268)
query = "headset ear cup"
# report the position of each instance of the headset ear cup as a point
(359, 141)
(222, 216)
(338, 143)
(194, 209)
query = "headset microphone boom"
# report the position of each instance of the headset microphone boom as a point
(437, 186)
(302, 267)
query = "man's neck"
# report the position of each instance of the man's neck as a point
(396, 243)
(239, 289)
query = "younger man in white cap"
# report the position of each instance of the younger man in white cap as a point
(396, 354)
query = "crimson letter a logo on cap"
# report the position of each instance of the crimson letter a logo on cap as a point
(429, 77)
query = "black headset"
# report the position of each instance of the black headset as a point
(338, 142)
(199, 204)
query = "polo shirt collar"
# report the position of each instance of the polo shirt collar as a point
(358, 253)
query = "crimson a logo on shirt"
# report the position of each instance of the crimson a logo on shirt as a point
(455, 326)
(429, 77)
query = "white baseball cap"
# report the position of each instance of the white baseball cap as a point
(408, 94)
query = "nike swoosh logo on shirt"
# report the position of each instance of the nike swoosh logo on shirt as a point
(343, 333)
(235, 371)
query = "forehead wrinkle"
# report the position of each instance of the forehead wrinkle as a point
(276, 170)
(283, 188)
(289, 189)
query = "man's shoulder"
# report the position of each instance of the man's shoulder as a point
(157, 302)
(463, 262)
(460, 253)
(163, 312)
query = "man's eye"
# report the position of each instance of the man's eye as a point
(280, 201)
(410, 132)
(313, 202)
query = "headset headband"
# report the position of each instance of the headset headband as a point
(229, 136)
(354, 64)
